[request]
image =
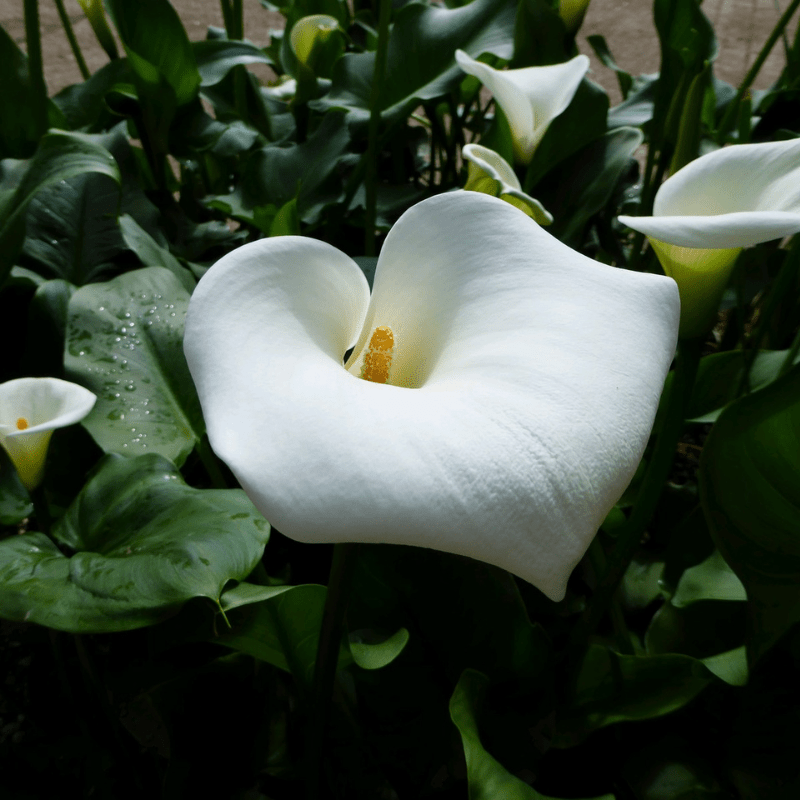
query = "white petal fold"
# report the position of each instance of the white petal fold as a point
(531, 97)
(733, 197)
(30, 410)
(491, 174)
(521, 393)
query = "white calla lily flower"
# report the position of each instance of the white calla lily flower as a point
(499, 394)
(30, 410)
(531, 97)
(705, 213)
(491, 174)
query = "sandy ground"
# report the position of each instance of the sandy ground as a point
(742, 26)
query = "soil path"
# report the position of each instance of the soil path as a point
(742, 26)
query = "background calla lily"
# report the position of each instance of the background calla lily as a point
(491, 174)
(521, 381)
(531, 97)
(30, 410)
(706, 212)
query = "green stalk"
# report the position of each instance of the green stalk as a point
(237, 18)
(371, 177)
(630, 535)
(330, 638)
(73, 42)
(33, 39)
(777, 31)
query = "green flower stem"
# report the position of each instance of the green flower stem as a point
(371, 176)
(731, 110)
(73, 42)
(33, 39)
(330, 638)
(658, 469)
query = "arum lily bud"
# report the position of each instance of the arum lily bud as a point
(496, 403)
(97, 19)
(572, 13)
(705, 213)
(531, 97)
(30, 410)
(491, 174)
(316, 42)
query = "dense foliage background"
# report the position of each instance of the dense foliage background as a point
(215, 661)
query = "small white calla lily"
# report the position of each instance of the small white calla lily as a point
(491, 174)
(509, 385)
(717, 204)
(30, 410)
(531, 97)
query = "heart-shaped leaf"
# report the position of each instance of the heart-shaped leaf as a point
(125, 342)
(144, 543)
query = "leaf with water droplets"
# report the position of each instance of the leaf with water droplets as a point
(124, 342)
(142, 544)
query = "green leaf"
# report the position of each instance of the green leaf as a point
(712, 579)
(586, 182)
(381, 654)
(217, 57)
(72, 230)
(59, 157)
(751, 499)
(719, 377)
(276, 624)
(540, 36)
(286, 221)
(487, 778)
(151, 253)
(306, 172)
(125, 342)
(157, 47)
(19, 131)
(602, 51)
(144, 544)
(615, 688)
(432, 34)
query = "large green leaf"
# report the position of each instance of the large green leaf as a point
(420, 61)
(157, 46)
(276, 624)
(720, 375)
(488, 779)
(750, 493)
(217, 57)
(59, 157)
(125, 342)
(615, 688)
(584, 184)
(307, 171)
(144, 543)
(72, 230)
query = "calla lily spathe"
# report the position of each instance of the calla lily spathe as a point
(511, 385)
(717, 204)
(490, 173)
(531, 97)
(30, 410)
